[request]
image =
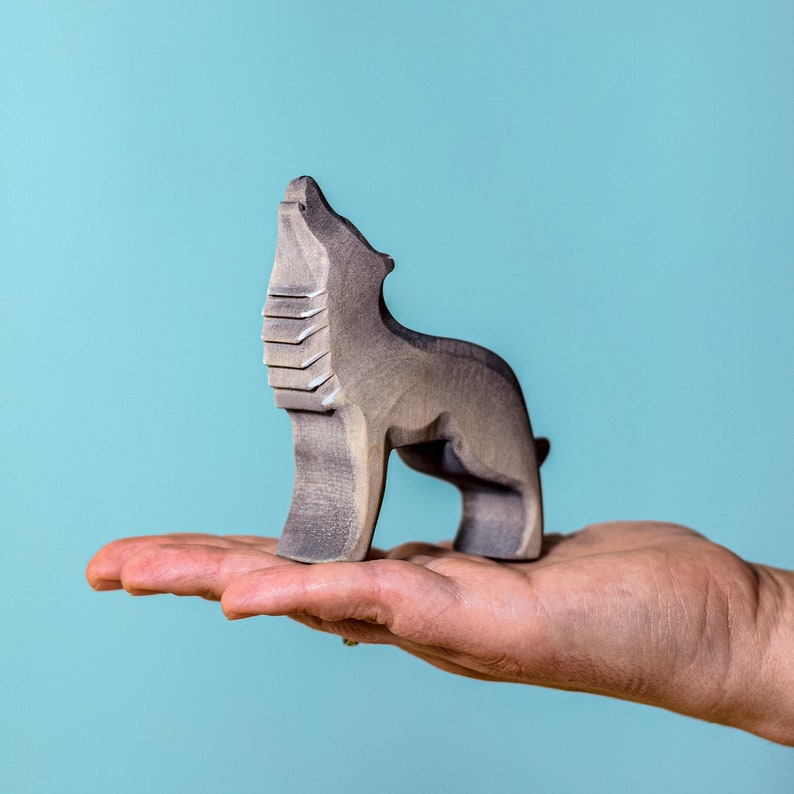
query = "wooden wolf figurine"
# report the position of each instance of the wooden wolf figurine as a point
(357, 384)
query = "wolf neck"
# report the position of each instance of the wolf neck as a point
(313, 325)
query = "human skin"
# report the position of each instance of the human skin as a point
(643, 611)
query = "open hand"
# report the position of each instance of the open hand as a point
(642, 611)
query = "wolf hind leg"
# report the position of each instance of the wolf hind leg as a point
(501, 523)
(339, 481)
(499, 520)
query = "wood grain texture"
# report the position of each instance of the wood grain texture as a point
(357, 384)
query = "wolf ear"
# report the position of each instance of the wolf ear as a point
(542, 449)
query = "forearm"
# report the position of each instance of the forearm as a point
(766, 704)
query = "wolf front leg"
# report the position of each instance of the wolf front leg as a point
(338, 490)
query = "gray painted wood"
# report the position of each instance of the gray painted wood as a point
(357, 384)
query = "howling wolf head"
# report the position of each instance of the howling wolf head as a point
(310, 237)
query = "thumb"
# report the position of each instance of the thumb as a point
(396, 594)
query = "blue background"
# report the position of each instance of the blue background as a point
(600, 192)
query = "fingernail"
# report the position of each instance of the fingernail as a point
(105, 584)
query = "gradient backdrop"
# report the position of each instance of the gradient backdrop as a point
(601, 192)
